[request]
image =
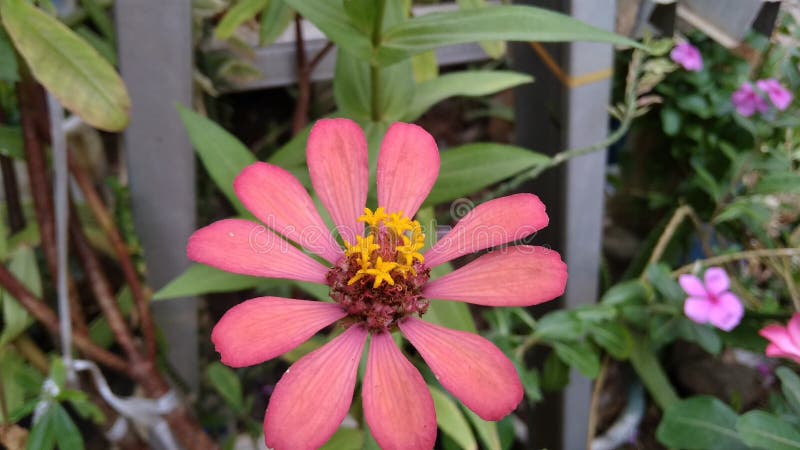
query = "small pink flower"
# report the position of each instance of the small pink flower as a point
(688, 56)
(784, 342)
(747, 101)
(710, 302)
(778, 95)
(379, 284)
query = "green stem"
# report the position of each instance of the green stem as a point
(644, 361)
(375, 70)
(730, 257)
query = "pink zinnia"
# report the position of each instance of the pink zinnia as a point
(784, 342)
(710, 302)
(778, 95)
(379, 284)
(747, 101)
(688, 56)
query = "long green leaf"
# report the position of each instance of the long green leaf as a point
(472, 167)
(15, 318)
(487, 431)
(495, 49)
(702, 423)
(199, 280)
(579, 355)
(330, 17)
(790, 386)
(469, 83)
(274, 21)
(67, 66)
(227, 384)
(241, 12)
(451, 420)
(502, 23)
(761, 429)
(222, 154)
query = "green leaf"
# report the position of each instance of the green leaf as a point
(779, 183)
(67, 66)
(559, 325)
(455, 315)
(8, 70)
(352, 88)
(99, 18)
(222, 154)
(644, 360)
(69, 437)
(487, 431)
(274, 21)
(425, 67)
(83, 406)
(579, 355)
(241, 12)
(345, 438)
(451, 420)
(199, 279)
(614, 337)
(700, 422)
(670, 121)
(760, 429)
(227, 384)
(626, 293)
(470, 83)
(505, 23)
(695, 104)
(472, 167)
(98, 43)
(15, 318)
(555, 374)
(790, 386)
(293, 153)
(99, 330)
(495, 49)
(330, 17)
(660, 277)
(43, 434)
(702, 335)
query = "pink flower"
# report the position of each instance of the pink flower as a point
(688, 56)
(711, 302)
(784, 342)
(747, 101)
(379, 284)
(778, 95)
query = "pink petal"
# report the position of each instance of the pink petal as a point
(468, 366)
(692, 285)
(247, 248)
(277, 199)
(793, 328)
(726, 312)
(522, 275)
(773, 351)
(408, 165)
(313, 396)
(716, 280)
(262, 328)
(493, 223)
(779, 336)
(397, 404)
(337, 163)
(697, 309)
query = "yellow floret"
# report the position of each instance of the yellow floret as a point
(373, 219)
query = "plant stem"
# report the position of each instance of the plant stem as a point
(374, 69)
(121, 249)
(303, 82)
(595, 402)
(644, 361)
(737, 256)
(41, 312)
(16, 220)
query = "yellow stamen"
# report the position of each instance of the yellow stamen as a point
(373, 219)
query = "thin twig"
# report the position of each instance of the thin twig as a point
(108, 226)
(102, 291)
(738, 256)
(669, 231)
(303, 79)
(48, 318)
(595, 402)
(16, 219)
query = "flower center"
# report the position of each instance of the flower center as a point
(379, 281)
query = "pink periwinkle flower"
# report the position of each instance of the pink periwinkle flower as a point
(747, 101)
(379, 284)
(778, 95)
(784, 342)
(688, 56)
(710, 301)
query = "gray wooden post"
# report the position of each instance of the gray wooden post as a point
(155, 53)
(551, 117)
